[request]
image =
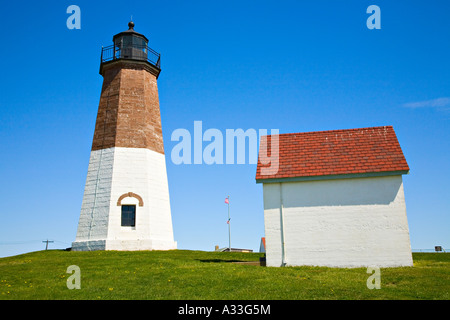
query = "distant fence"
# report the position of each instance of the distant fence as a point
(428, 250)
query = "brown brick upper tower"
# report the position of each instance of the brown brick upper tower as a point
(128, 113)
(126, 198)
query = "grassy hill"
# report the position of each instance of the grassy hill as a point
(183, 274)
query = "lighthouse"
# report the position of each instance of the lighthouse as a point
(126, 204)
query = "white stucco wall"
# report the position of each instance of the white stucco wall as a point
(338, 223)
(116, 171)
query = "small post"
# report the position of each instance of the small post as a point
(229, 225)
(46, 243)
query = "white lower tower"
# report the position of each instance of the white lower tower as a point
(119, 177)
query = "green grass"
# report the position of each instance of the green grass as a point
(182, 274)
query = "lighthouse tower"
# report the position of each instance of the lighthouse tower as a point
(126, 198)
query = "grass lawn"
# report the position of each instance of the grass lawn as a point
(183, 274)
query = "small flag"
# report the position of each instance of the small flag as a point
(228, 221)
(226, 201)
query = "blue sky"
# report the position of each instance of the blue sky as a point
(295, 66)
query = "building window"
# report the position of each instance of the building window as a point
(128, 215)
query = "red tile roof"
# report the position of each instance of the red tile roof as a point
(329, 153)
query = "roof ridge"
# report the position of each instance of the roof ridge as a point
(331, 131)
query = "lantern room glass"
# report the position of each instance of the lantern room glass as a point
(130, 47)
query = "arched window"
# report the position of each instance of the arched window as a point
(128, 210)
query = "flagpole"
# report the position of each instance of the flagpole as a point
(229, 226)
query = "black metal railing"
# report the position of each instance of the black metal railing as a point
(133, 52)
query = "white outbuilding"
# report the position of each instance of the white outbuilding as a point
(334, 198)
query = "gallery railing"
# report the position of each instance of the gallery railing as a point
(132, 52)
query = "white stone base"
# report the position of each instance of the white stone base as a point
(123, 245)
(115, 172)
(88, 245)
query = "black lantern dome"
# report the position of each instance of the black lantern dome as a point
(130, 45)
(131, 39)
